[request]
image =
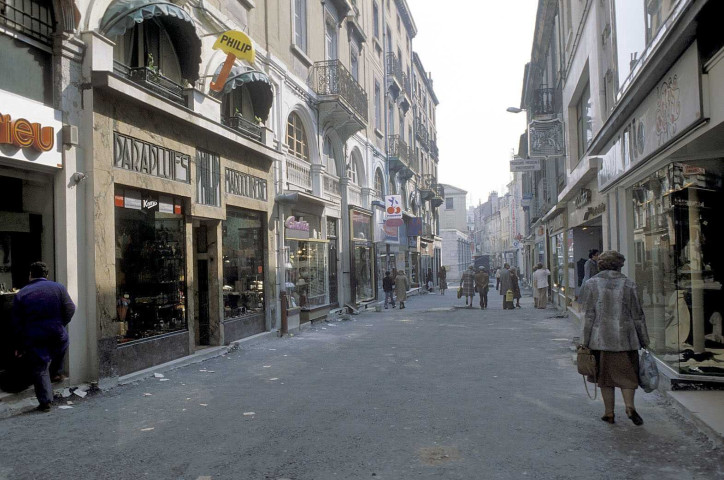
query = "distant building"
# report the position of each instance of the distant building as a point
(456, 241)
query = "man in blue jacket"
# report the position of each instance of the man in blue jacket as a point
(41, 311)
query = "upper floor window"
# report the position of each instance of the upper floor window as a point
(375, 20)
(330, 40)
(148, 45)
(379, 183)
(329, 157)
(352, 172)
(583, 121)
(354, 61)
(398, 24)
(449, 203)
(297, 138)
(300, 24)
(378, 105)
(33, 18)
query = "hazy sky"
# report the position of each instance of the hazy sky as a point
(476, 51)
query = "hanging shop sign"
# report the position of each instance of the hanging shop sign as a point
(546, 139)
(296, 229)
(245, 185)
(29, 131)
(414, 227)
(667, 113)
(235, 45)
(138, 156)
(525, 164)
(393, 210)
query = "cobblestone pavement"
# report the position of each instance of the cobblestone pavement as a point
(431, 391)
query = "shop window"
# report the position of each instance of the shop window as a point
(678, 264)
(150, 264)
(306, 272)
(297, 138)
(208, 178)
(148, 45)
(243, 268)
(362, 255)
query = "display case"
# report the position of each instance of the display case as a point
(306, 273)
(243, 263)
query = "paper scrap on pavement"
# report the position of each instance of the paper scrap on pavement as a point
(80, 393)
(164, 380)
(204, 404)
(202, 370)
(210, 371)
(248, 414)
(66, 393)
(158, 375)
(147, 429)
(147, 394)
(69, 402)
(272, 379)
(64, 407)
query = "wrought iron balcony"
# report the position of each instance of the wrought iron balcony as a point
(243, 126)
(398, 153)
(545, 101)
(394, 74)
(439, 197)
(433, 149)
(336, 86)
(427, 187)
(152, 80)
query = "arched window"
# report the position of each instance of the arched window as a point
(329, 157)
(297, 138)
(352, 172)
(379, 183)
(148, 45)
(237, 103)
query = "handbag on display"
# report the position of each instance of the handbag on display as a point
(648, 371)
(586, 363)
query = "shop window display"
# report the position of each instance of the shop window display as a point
(362, 256)
(306, 272)
(243, 263)
(678, 265)
(150, 265)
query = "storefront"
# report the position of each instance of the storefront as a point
(362, 254)
(306, 272)
(585, 212)
(561, 253)
(30, 160)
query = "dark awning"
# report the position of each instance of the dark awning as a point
(122, 15)
(259, 86)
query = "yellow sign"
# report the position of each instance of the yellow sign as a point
(24, 134)
(235, 45)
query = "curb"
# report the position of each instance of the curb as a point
(694, 417)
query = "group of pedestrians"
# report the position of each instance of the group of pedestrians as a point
(396, 286)
(478, 282)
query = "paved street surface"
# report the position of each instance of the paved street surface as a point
(426, 392)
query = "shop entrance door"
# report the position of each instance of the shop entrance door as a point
(333, 294)
(202, 267)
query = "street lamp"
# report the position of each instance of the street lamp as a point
(514, 109)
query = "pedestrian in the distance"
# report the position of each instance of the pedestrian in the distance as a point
(515, 280)
(467, 283)
(401, 287)
(590, 268)
(429, 280)
(442, 279)
(540, 286)
(41, 311)
(388, 286)
(481, 286)
(506, 283)
(497, 278)
(614, 329)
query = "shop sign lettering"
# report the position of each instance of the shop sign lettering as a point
(138, 156)
(293, 224)
(664, 115)
(594, 212)
(149, 204)
(583, 198)
(245, 185)
(25, 134)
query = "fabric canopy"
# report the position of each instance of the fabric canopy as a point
(123, 15)
(258, 84)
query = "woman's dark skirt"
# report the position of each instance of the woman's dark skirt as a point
(617, 369)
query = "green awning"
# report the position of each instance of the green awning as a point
(257, 83)
(123, 15)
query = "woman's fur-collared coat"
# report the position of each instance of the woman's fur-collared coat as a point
(614, 319)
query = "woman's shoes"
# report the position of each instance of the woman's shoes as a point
(609, 418)
(635, 417)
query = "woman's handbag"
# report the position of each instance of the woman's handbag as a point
(586, 363)
(460, 292)
(648, 372)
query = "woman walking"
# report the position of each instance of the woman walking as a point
(442, 279)
(401, 286)
(482, 278)
(614, 329)
(516, 286)
(467, 283)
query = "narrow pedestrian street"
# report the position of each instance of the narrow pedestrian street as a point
(431, 391)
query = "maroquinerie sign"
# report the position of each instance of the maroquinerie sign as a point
(138, 156)
(245, 185)
(666, 114)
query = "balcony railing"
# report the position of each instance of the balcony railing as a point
(299, 173)
(433, 149)
(398, 149)
(354, 195)
(407, 84)
(331, 187)
(394, 68)
(243, 126)
(544, 101)
(439, 195)
(152, 80)
(427, 185)
(332, 78)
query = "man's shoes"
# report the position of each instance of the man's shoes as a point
(43, 407)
